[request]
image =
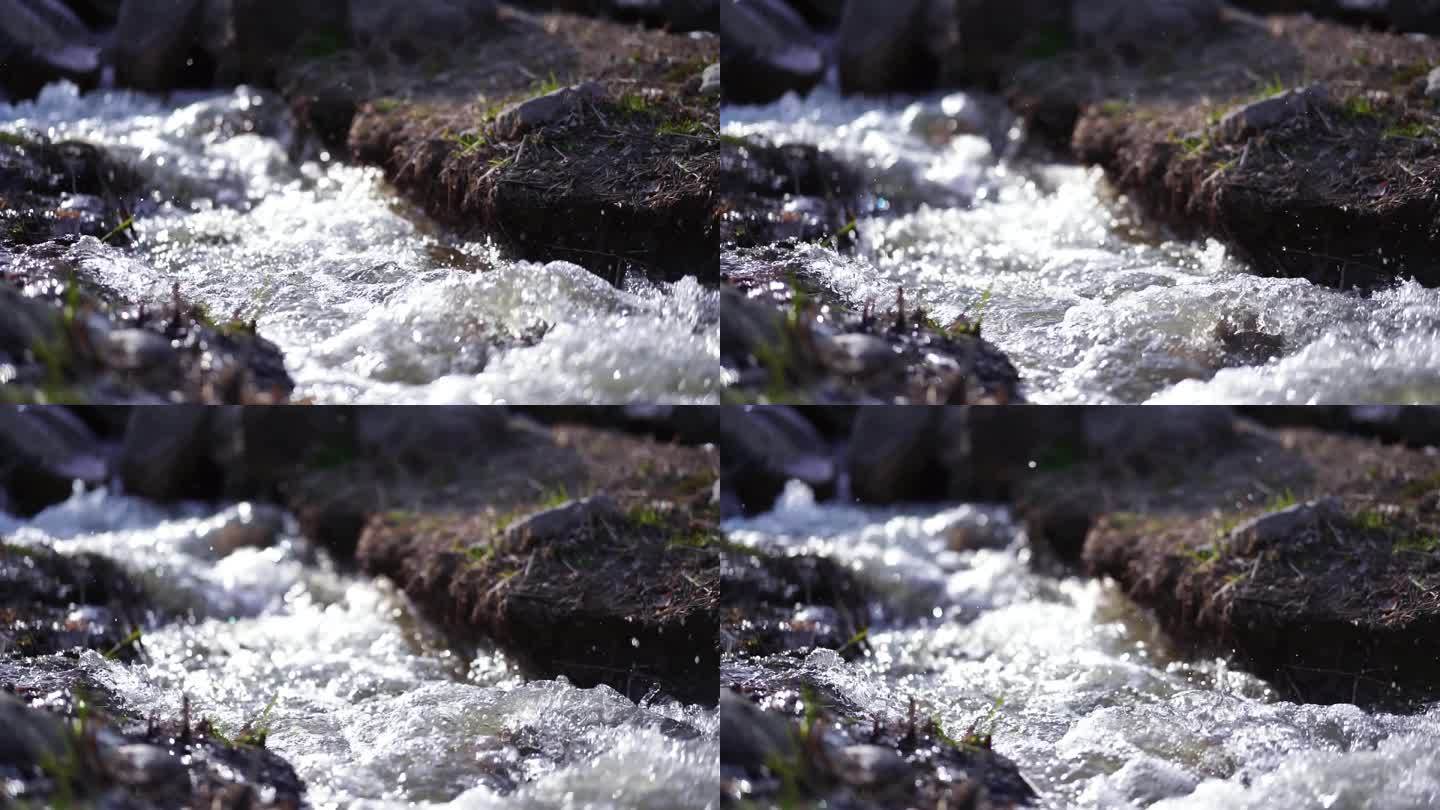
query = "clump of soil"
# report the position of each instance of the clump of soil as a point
(1343, 193)
(1332, 601)
(623, 180)
(628, 598)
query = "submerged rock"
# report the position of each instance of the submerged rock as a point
(782, 345)
(49, 190)
(774, 603)
(54, 602)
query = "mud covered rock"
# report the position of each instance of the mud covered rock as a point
(623, 595)
(780, 344)
(1310, 557)
(70, 337)
(621, 179)
(1332, 187)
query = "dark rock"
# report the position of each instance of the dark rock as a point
(767, 50)
(677, 15)
(687, 424)
(43, 452)
(244, 525)
(762, 447)
(1277, 110)
(886, 47)
(32, 737)
(66, 188)
(166, 454)
(569, 518)
(750, 738)
(823, 14)
(849, 758)
(893, 454)
(71, 336)
(1146, 438)
(412, 29)
(249, 41)
(784, 342)
(533, 113)
(1139, 28)
(42, 41)
(153, 40)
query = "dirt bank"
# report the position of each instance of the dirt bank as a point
(1336, 182)
(619, 173)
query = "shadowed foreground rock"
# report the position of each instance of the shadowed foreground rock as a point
(789, 739)
(784, 345)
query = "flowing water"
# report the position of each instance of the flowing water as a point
(1081, 688)
(368, 707)
(367, 298)
(1089, 306)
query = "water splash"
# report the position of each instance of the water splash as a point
(1089, 305)
(1094, 704)
(368, 299)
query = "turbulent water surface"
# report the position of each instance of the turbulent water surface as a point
(1079, 685)
(1089, 307)
(366, 298)
(369, 709)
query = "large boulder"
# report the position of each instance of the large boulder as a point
(154, 40)
(888, 47)
(1136, 28)
(411, 29)
(893, 454)
(763, 447)
(42, 41)
(43, 451)
(767, 50)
